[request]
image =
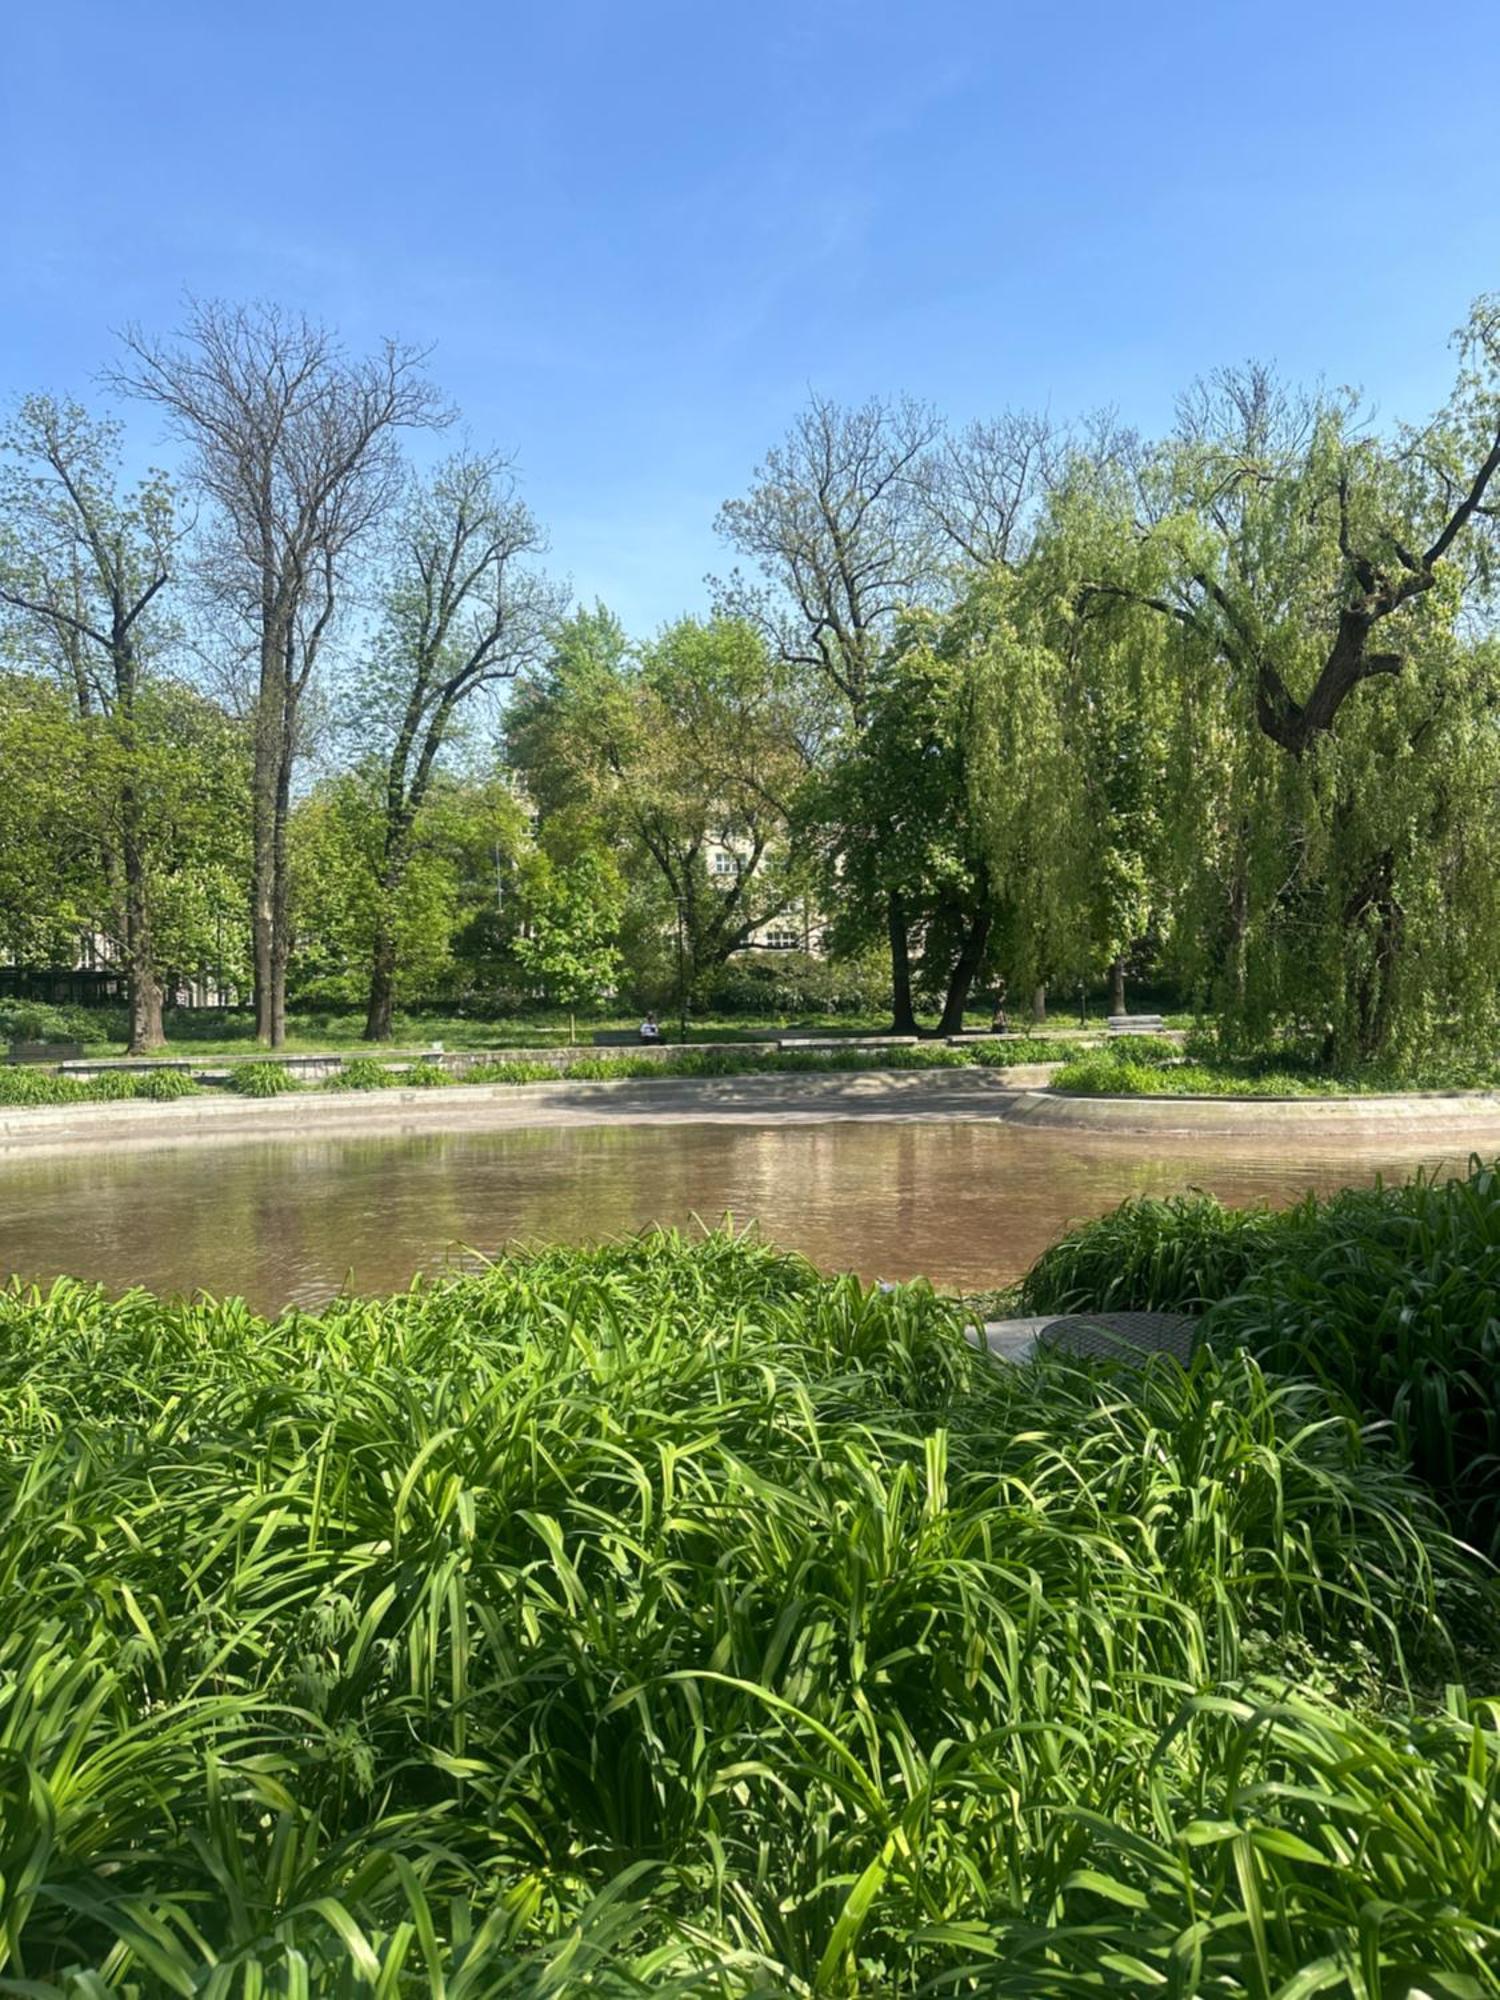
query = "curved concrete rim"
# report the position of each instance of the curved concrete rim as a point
(1445, 1114)
(928, 1096)
(778, 1098)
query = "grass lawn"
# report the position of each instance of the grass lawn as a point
(193, 1032)
(1140, 1067)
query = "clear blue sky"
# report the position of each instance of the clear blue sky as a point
(637, 230)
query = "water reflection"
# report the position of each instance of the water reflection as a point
(293, 1221)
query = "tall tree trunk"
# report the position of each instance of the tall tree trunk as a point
(281, 885)
(903, 1018)
(971, 954)
(380, 1009)
(1375, 983)
(1039, 1004)
(143, 992)
(263, 838)
(1117, 989)
(1239, 935)
(143, 989)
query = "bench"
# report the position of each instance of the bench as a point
(623, 1038)
(44, 1052)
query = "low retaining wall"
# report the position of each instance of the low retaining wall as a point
(458, 1062)
(1467, 1117)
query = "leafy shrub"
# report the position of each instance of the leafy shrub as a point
(21, 1085)
(112, 1087)
(361, 1073)
(37, 1021)
(261, 1079)
(1027, 1049)
(787, 985)
(422, 1075)
(164, 1086)
(511, 1072)
(621, 1557)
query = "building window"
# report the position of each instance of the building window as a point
(780, 938)
(722, 863)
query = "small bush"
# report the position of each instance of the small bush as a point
(261, 1079)
(512, 1072)
(361, 1073)
(788, 985)
(164, 1086)
(1027, 1049)
(37, 1021)
(421, 1075)
(20, 1085)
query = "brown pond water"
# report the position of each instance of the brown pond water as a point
(294, 1221)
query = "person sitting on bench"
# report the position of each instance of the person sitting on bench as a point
(649, 1030)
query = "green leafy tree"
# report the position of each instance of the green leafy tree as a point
(570, 943)
(1322, 584)
(82, 569)
(464, 844)
(686, 755)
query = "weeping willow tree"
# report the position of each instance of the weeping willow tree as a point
(955, 799)
(1314, 598)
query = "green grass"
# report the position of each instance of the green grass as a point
(1133, 1066)
(666, 1619)
(201, 1033)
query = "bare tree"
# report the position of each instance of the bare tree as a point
(985, 484)
(82, 568)
(839, 526)
(465, 611)
(296, 447)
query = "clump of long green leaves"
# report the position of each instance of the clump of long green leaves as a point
(1390, 1295)
(667, 1619)
(23, 1085)
(262, 1079)
(1150, 1255)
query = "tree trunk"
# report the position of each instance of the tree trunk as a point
(380, 1012)
(1039, 1004)
(970, 956)
(263, 840)
(1375, 985)
(281, 880)
(1117, 977)
(903, 1019)
(143, 990)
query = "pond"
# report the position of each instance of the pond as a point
(293, 1221)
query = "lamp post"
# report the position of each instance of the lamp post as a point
(681, 974)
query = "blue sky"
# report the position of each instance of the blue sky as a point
(637, 232)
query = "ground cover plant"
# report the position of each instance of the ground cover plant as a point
(668, 1619)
